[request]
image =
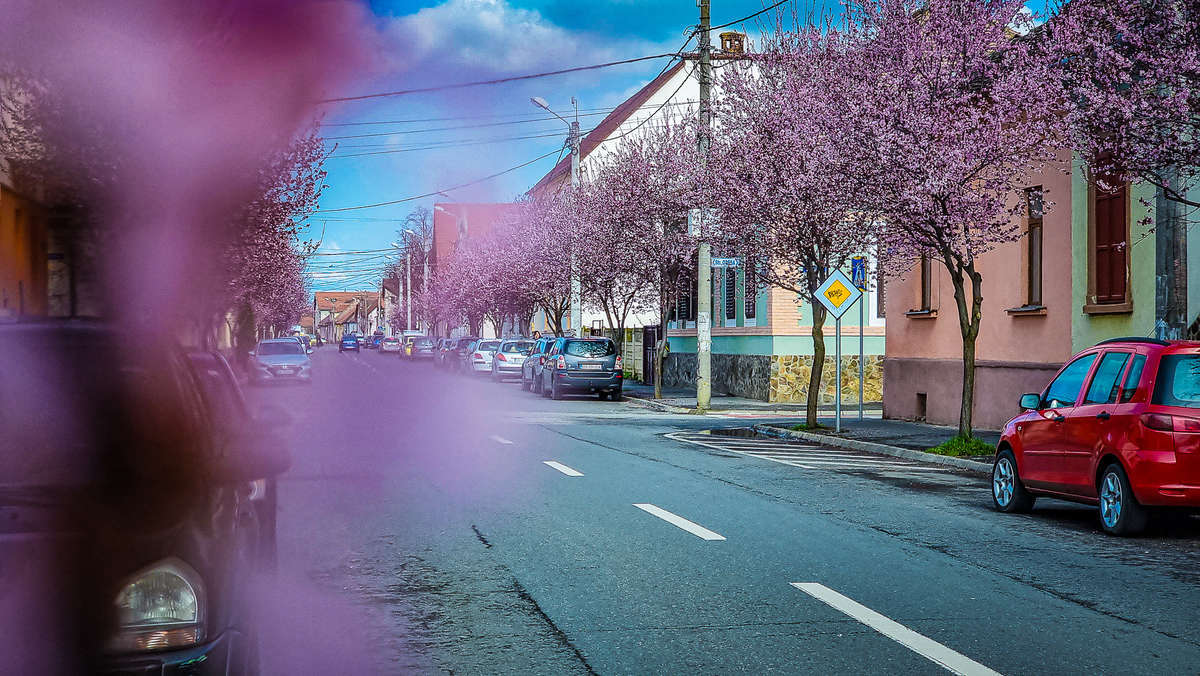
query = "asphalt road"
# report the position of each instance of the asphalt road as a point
(421, 530)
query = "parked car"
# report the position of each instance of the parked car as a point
(457, 357)
(479, 359)
(1117, 427)
(280, 359)
(349, 342)
(531, 368)
(421, 347)
(443, 349)
(391, 345)
(229, 416)
(509, 358)
(153, 477)
(585, 365)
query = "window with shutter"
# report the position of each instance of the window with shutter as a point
(750, 292)
(1110, 210)
(731, 296)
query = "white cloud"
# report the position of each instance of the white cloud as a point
(492, 36)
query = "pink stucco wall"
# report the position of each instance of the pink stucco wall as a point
(1018, 353)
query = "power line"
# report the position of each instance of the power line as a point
(435, 192)
(745, 18)
(480, 83)
(446, 145)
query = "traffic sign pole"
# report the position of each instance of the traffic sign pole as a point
(837, 364)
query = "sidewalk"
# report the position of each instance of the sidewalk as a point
(683, 400)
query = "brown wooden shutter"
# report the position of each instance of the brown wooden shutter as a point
(1111, 211)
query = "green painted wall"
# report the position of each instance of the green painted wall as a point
(800, 345)
(1087, 330)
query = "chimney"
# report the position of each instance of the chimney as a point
(733, 42)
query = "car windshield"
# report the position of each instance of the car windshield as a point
(590, 348)
(1178, 381)
(489, 345)
(282, 347)
(520, 347)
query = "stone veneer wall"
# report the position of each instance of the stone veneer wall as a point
(776, 378)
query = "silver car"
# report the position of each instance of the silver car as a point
(280, 359)
(479, 359)
(509, 357)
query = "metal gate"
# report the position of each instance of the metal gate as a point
(649, 344)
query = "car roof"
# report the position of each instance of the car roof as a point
(1153, 343)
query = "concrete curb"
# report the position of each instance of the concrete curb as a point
(883, 449)
(655, 405)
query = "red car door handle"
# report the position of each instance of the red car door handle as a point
(1103, 415)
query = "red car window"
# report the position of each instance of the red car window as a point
(1104, 388)
(1133, 378)
(1064, 391)
(1178, 381)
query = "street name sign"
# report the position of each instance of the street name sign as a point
(838, 293)
(726, 262)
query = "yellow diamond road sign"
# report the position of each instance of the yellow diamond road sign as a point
(838, 293)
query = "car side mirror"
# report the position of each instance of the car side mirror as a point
(1031, 402)
(251, 455)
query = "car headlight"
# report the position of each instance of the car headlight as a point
(160, 607)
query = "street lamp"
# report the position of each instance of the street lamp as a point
(573, 140)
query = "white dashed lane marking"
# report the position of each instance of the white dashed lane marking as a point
(924, 646)
(802, 455)
(500, 440)
(562, 468)
(676, 520)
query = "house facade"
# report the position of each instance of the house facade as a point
(454, 222)
(24, 253)
(761, 337)
(1091, 263)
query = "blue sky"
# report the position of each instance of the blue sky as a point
(430, 43)
(421, 44)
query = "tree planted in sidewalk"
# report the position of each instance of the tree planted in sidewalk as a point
(641, 192)
(944, 117)
(789, 201)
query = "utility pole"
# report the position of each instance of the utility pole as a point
(703, 262)
(408, 287)
(576, 284)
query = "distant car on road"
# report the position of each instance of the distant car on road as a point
(479, 359)
(391, 345)
(586, 365)
(280, 359)
(456, 357)
(349, 342)
(531, 368)
(509, 357)
(420, 347)
(1117, 427)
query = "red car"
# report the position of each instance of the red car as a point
(1118, 427)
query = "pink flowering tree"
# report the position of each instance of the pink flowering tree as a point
(783, 183)
(1130, 74)
(640, 193)
(936, 95)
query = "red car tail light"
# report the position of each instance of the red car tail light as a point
(1158, 421)
(500, 357)
(1183, 424)
(478, 357)
(617, 364)
(541, 361)
(562, 363)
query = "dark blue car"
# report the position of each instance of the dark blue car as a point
(349, 342)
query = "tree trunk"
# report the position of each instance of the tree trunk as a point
(659, 349)
(969, 319)
(813, 399)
